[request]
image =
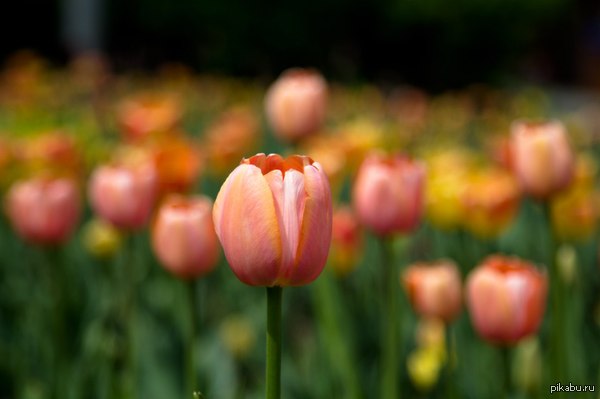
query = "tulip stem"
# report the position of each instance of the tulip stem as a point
(557, 350)
(507, 386)
(450, 366)
(390, 325)
(273, 370)
(55, 277)
(128, 287)
(190, 350)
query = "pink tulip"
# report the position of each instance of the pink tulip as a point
(44, 211)
(124, 195)
(434, 289)
(296, 102)
(273, 217)
(506, 298)
(388, 194)
(543, 160)
(183, 236)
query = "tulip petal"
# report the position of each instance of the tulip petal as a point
(289, 198)
(246, 224)
(315, 233)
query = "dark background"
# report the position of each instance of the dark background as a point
(434, 44)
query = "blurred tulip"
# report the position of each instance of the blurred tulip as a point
(44, 211)
(506, 298)
(543, 159)
(53, 151)
(447, 173)
(575, 213)
(424, 365)
(101, 239)
(124, 194)
(177, 164)
(331, 158)
(434, 289)
(234, 134)
(576, 210)
(295, 103)
(147, 114)
(388, 194)
(183, 236)
(500, 149)
(273, 217)
(346, 243)
(491, 201)
(356, 139)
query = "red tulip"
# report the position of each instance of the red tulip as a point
(543, 159)
(44, 211)
(434, 289)
(183, 236)
(388, 194)
(506, 298)
(124, 195)
(273, 218)
(295, 103)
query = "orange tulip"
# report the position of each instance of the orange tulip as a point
(273, 217)
(434, 289)
(148, 114)
(388, 194)
(491, 202)
(177, 163)
(124, 194)
(543, 159)
(44, 211)
(506, 298)
(295, 103)
(183, 236)
(233, 134)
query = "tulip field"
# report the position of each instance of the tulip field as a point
(170, 234)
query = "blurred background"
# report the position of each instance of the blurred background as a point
(423, 43)
(87, 309)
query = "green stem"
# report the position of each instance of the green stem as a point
(557, 319)
(128, 379)
(390, 326)
(191, 339)
(507, 386)
(334, 326)
(450, 377)
(273, 370)
(55, 275)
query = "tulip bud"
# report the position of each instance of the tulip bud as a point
(295, 103)
(101, 239)
(506, 298)
(434, 289)
(124, 195)
(273, 218)
(388, 194)
(44, 211)
(543, 159)
(183, 236)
